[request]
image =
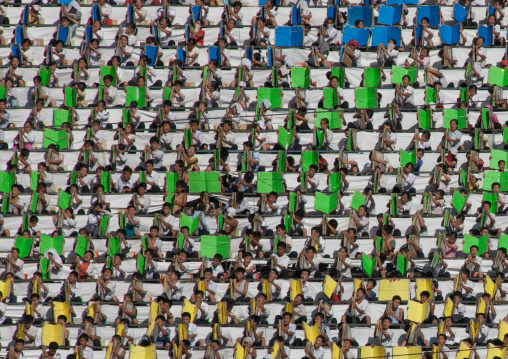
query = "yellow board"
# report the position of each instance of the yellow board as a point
(482, 307)
(62, 309)
(296, 288)
(276, 349)
(336, 352)
(5, 287)
(503, 329)
(417, 312)
(390, 287)
(154, 310)
(358, 284)
(311, 333)
(21, 331)
(191, 309)
(289, 308)
(202, 286)
(139, 352)
(371, 353)
(119, 329)
(422, 286)
(216, 331)
(53, 333)
(36, 287)
(494, 351)
(267, 290)
(435, 352)
(240, 352)
(407, 352)
(448, 309)
(109, 351)
(329, 287)
(92, 310)
(182, 333)
(150, 329)
(490, 287)
(29, 310)
(441, 328)
(222, 313)
(464, 351)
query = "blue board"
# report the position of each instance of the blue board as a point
(296, 17)
(288, 36)
(332, 12)
(431, 13)
(182, 55)
(19, 35)
(389, 15)
(16, 52)
(215, 54)
(26, 14)
(353, 33)
(383, 34)
(249, 53)
(487, 32)
(88, 33)
(196, 12)
(363, 13)
(130, 11)
(96, 13)
(460, 13)
(152, 52)
(450, 35)
(63, 34)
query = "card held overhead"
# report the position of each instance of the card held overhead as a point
(363, 13)
(352, 33)
(460, 13)
(390, 15)
(383, 34)
(450, 35)
(429, 12)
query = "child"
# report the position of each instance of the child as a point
(436, 202)
(26, 136)
(241, 286)
(132, 223)
(110, 91)
(395, 312)
(141, 200)
(125, 312)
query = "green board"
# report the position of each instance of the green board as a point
(270, 182)
(482, 243)
(191, 223)
(82, 245)
(358, 200)
(24, 245)
(309, 158)
(212, 245)
(204, 182)
(57, 138)
(325, 203)
(334, 119)
(399, 72)
(135, 93)
(7, 180)
(300, 77)
(460, 115)
(61, 116)
(272, 94)
(48, 242)
(366, 97)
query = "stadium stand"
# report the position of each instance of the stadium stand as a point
(275, 179)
